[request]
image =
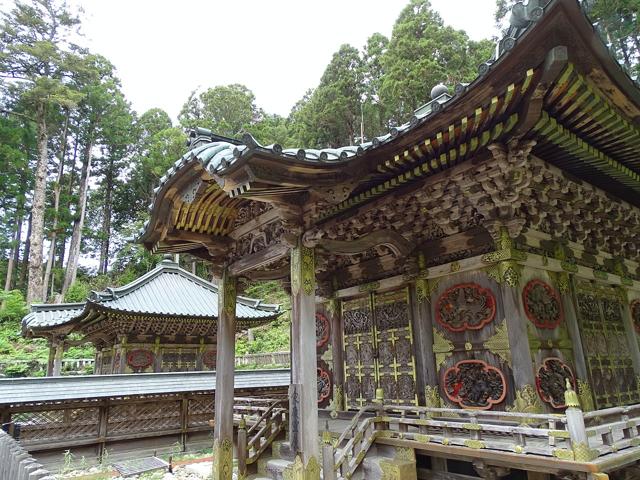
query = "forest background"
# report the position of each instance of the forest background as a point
(78, 165)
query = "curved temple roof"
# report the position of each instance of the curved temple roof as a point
(550, 79)
(167, 290)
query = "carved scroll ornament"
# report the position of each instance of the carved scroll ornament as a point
(551, 381)
(474, 384)
(542, 304)
(466, 306)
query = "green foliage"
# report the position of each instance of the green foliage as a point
(226, 110)
(331, 116)
(274, 337)
(12, 306)
(78, 292)
(423, 52)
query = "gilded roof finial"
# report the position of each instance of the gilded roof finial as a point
(570, 396)
(326, 434)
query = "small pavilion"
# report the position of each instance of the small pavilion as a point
(164, 321)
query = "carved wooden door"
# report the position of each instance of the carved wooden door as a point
(359, 350)
(378, 343)
(605, 346)
(394, 344)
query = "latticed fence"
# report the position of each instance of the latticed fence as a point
(39, 427)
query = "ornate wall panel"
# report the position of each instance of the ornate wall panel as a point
(378, 343)
(474, 384)
(179, 359)
(209, 359)
(549, 341)
(471, 343)
(542, 304)
(140, 360)
(359, 352)
(551, 380)
(465, 306)
(394, 341)
(324, 352)
(324, 384)
(605, 346)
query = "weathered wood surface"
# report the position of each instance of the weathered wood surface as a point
(16, 463)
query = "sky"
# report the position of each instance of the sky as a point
(163, 49)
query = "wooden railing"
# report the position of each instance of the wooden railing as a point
(571, 436)
(258, 427)
(613, 429)
(259, 360)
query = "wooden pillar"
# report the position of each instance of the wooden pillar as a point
(225, 367)
(422, 324)
(568, 299)
(52, 356)
(303, 392)
(57, 360)
(334, 315)
(157, 356)
(516, 321)
(120, 366)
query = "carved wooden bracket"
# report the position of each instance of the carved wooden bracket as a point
(391, 239)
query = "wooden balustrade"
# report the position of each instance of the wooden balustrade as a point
(258, 427)
(547, 435)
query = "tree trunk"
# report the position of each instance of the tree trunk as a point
(15, 251)
(72, 175)
(78, 224)
(25, 259)
(106, 220)
(34, 286)
(56, 207)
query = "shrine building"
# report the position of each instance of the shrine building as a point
(471, 277)
(164, 321)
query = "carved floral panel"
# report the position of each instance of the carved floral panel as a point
(542, 304)
(324, 384)
(551, 381)
(466, 306)
(209, 359)
(323, 329)
(140, 359)
(474, 384)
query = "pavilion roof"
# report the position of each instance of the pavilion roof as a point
(551, 79)
(167, 290)
(56, 389)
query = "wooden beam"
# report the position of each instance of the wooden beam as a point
(259, 259)
(400, 246)
(276, 274)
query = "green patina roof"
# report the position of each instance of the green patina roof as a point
(167, 290)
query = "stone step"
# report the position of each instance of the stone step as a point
(371, 468)
(282, 449)
(275, 468)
